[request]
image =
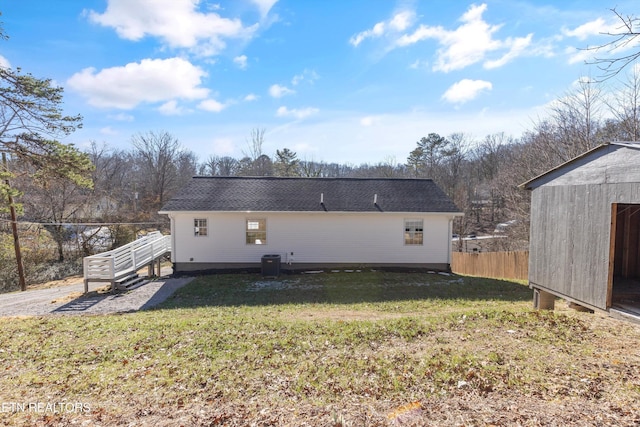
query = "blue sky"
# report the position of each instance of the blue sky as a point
(350, 81)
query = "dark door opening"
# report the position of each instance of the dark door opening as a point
(625, 274)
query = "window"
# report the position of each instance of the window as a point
(256, 232)
(413, 232)
(200, 227)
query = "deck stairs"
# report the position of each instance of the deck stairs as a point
(120, 266)
(129, 282)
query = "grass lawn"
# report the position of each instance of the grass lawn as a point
(330, 349)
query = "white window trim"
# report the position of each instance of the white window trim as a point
(404, 230)
(196, 228)
(246, 230)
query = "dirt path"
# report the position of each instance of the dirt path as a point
(69, 299)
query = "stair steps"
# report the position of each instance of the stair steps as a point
(130, 282)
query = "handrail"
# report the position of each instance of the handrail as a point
(110, 265)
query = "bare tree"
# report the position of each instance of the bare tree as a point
(623, 38)
(219, 166)
(625, 106)
(163, 166)
(576, 117)
(312, 169)
(54, 201)
(254, 144)
(114, 184)
(227, 166)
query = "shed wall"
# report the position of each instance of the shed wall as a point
(325, 238)
(570, 238)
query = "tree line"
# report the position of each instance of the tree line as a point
(63, 198)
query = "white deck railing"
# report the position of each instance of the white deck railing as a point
(115, 264)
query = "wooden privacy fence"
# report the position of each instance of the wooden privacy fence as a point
(498, 265)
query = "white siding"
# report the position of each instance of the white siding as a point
(366, 238)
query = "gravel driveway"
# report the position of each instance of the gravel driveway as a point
(69, 299)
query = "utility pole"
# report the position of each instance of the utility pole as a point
(14, 228)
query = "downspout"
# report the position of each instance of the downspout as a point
(173, 241)
(450, 231)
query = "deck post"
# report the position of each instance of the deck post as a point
(543, 300)
(85, 273)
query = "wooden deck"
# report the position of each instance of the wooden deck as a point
(123, 262)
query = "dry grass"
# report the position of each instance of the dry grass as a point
(344, 349)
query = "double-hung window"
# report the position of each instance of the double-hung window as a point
(413, 232)
(200, 228)
(256, 231)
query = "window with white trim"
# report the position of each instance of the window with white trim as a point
(413, 231)
(256, 230)
(200, 228)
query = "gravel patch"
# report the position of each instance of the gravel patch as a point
(70, 300)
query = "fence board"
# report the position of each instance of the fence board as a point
(498, 265)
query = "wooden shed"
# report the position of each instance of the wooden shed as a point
(585, 231)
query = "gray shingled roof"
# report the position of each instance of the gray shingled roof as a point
(304, 195)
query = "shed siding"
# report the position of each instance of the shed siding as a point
(367, 238)
(570, 238)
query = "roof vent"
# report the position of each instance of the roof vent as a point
(375, 202)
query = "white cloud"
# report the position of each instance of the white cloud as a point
(4, 62)
(264, 5)
(579, 55)
(211, 105)
(241, 61)
(401, 21)
(591, 28)
(278, 91)
(398, 23)
(466, 90)
(171, 108)
(296, 113)
(151, 80)
(251, 97)
(177, 23)
(517, 48)
(469, 43)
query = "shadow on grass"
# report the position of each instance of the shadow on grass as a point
(225, 290)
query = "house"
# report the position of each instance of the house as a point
(233, 222)
(585, 230)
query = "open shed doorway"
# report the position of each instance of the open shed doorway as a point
(625, 245)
